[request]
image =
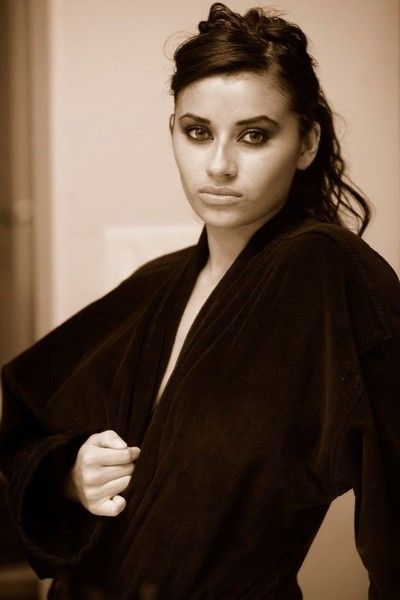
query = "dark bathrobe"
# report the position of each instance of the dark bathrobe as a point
(285, 396)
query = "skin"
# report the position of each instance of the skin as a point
(256, 160)
(102, 471)
(249, 166)
(236, 176)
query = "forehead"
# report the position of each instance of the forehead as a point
(235, 96)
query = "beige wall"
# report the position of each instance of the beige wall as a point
(109, 156)
(106, 161)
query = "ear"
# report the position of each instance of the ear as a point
(309, 146)
(171, 123)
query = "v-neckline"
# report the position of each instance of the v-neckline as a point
(174, 352)
(165, 314)
(266, 233)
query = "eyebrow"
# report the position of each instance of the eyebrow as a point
(256, 119)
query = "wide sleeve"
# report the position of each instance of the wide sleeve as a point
(55, 533)
(67, 386)
(367, 459)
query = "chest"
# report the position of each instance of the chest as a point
(197, 299)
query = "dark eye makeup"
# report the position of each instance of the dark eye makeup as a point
(254, 136)
(197, 133)
(251, 137)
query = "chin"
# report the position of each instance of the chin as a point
(220, 217)
(232, 222)
(232, 217)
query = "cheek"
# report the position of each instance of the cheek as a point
(179, 158)
(271, 174)
(188, 162)
(271, 167)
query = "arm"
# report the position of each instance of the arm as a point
(54, 531)
(56, 481)
(368, 460)
(56, 395)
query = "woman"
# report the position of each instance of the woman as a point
(184, 436)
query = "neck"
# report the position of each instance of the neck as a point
(224, 247)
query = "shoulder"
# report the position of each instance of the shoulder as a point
(144, 281)
(112, 316)
(326, 235)
(136, 290)
(132, 294)
(339, 266)
(338, 247)
(164, 263)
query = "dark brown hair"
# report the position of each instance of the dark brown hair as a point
(262, 41)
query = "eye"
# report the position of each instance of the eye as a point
(197, 133)
(254, 136)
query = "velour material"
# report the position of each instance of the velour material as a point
(285, 395)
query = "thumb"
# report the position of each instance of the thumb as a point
(112, 507)
(109, 439)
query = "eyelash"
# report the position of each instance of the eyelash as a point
(191, 128)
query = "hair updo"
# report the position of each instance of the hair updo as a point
(259, 41)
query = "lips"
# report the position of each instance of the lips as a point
(220, 191)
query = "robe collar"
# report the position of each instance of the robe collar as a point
(289, 216)
(145, 364)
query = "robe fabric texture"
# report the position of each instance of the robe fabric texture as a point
(285, 395)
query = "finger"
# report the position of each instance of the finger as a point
(109, 457)
(103, 475)
(114, 487)
(110, 507)
(108, 439)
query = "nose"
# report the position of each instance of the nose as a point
(221, 162)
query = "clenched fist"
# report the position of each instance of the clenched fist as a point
(102, 470)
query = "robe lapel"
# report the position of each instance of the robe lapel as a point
(148, 353)
(227, 297)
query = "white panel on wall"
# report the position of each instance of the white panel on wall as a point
(127, 248)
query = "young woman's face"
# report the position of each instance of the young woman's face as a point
(237, 146)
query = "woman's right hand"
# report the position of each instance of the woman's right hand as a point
(102, 470)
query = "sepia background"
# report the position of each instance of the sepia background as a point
(88, 187)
